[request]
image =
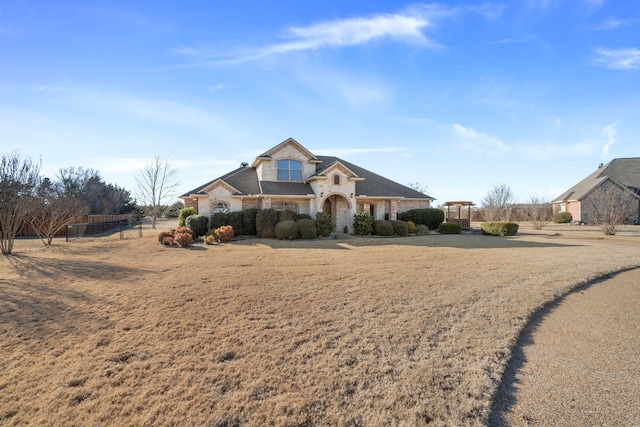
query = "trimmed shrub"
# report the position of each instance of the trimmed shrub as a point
(249, 222)
(362, 224)
(286, 229)
(449, 228)
(499, 228)
(422, 229)
(382, 227)
(563, 218)
(303, 216)
(266, 220)
(400, 228)
(183, 236)
(199, 224)
(219, 219)
(411, 227)
(324, 224)
(236, 220)
(431, 217)
(184, 213)
(285, 215)
(224, 233)
(307, 228)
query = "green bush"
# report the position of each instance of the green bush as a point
(362, 224)
(249, 223)
(382, 227)
(219, 219)
(563, 218)
(431, 217)
(285, 215)
(324, 224)
(266, 220)
(449, 228)
(184, 213)
(286, 230)
(400, 228)
(307, 228)
(199, 224)
(236, 220)
(422, 229)
(500, 228)
(303, 216)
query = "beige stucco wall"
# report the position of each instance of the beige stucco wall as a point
(268, 169)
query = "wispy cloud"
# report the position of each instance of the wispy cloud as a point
(609, 24)
(478, 142)
(594, 4)
(619, 59)
(610, 132)
(217, 87)
(406, 27)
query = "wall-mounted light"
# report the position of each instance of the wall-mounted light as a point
(351, 195)
(321, 195)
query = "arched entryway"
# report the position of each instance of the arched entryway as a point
(339, 208)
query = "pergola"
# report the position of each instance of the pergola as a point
(457, 213)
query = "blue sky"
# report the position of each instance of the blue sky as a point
(458, 96)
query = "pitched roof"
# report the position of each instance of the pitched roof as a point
(625, 171)
(373, 184)
(245, 181)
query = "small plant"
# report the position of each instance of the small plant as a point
(382, 227)
(224, 234)
(210, 239)
(183, 237)
(324, 224)
(422, 229)
(307, 228)
(166, 237)
(184, 213)
(362, 224)
(286, 230)
(411, 227)
(449, 228)
(563, 218)
(500, 228)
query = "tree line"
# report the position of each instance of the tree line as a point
(48, 204)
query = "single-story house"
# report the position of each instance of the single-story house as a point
(620, 175)
(290, 177)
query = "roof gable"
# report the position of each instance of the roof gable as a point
(288, 143)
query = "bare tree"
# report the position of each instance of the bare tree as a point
(18, 180)
(608, 206)
(497, 203)
(53, 210)
(418, 186)
(156, 185)
(539, 212)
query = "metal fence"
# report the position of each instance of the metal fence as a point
(124, 227)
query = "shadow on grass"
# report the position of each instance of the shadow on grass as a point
(461, 241)
(39, 300)
(505, 398)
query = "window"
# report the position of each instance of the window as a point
(366, 207)
(289, 170)
(285, 206)
(336, 179)
(220, 208)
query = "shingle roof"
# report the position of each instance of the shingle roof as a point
(625, 171)
(373, 184)
(245, 181)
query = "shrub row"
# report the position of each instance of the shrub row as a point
(364, 225)
(303, 228)
(501, 228)
(431, 217)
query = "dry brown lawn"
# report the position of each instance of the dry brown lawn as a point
(360, 331)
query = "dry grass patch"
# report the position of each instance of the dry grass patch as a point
(346, 332)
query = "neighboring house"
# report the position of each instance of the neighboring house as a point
(621, 175)
(290, 177)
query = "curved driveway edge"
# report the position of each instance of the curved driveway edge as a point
(578, 360)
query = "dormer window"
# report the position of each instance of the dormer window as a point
(289, 170)
(336, 179)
